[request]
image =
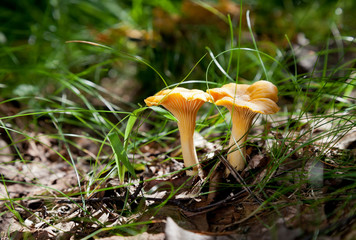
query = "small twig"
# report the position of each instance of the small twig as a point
(176, 202)
(238, 178)
(138, 189)
(215, 205)
(110, 199)
(90, 200)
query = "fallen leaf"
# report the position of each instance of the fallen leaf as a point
(143, 236)
(174, 232)
(5, 152)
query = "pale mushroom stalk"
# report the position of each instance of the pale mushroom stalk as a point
(189, 153)
(241, 124)
(186, 125)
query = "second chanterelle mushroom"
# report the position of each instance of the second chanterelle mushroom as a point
(244, 102)
(184, 105)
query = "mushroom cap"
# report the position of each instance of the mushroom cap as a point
(177, 96)
(260, 97)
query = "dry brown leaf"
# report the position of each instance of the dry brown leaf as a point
(5, 152)
(143, 236)
(174, 232)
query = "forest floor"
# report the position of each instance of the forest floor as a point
(47, 203)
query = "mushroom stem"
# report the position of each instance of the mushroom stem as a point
(188, 149)
(186, 125)
(241, 123)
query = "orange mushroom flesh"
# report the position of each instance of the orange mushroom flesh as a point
(244, 102)
(184, 105)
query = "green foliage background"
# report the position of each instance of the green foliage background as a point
(34, 52)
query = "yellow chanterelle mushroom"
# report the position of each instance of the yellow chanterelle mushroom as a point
(184, 105)
(244, 102)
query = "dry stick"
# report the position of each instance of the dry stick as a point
(110, 199)
(238, 178)
(138, 189)
(177, 202)
(215, 205)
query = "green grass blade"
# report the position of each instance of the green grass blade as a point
(121, 156)
(164, 113)
(130, 124)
